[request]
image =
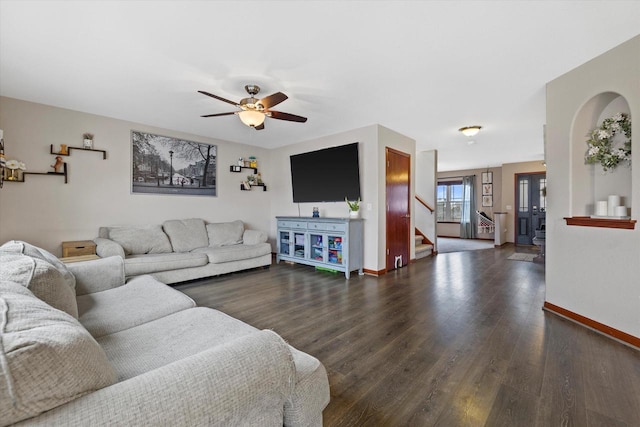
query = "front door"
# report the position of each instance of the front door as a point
(531, 206)
(398, 215)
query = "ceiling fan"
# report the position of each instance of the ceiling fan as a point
(253, 111)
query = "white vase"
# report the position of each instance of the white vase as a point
(354, 214)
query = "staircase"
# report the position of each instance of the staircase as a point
(422, 249)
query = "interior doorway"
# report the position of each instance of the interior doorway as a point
(531, 205)
(398, 219)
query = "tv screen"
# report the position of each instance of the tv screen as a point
(327, 175)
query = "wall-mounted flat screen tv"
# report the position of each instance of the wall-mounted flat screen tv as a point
(327, 175)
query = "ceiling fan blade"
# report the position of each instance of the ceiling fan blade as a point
(220, 114)
(272, 100)
(219, 98)
(260, 127)
(286, 116)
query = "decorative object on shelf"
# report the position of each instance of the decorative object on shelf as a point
(253, 162)
(316, 212)
(240, 162)
(14, 166)
(63, 149)
(610, 208)
(58, 164)
(354, 208)
(88, 140)
(602, 143)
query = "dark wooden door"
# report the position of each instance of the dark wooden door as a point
(531, 206)
(398, 214)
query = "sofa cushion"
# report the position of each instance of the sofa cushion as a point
(136, 265)
(17, 246)
(225, 233)
(47, 358)
(222, 254)
(43, 279)
(135, 351)
(140, 240)
(186, 234)
(140, 300)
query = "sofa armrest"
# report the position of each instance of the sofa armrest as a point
(97, 275)
(243, 382)
(253, 237)
(106, 248)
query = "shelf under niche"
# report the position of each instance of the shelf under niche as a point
(585, 221)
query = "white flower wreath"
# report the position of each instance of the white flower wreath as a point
(601, 149)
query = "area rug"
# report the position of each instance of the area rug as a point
(522, 257)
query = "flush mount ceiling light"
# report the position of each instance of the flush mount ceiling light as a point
(470, 130)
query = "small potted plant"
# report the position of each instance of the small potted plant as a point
(88, 140)
(354, 208)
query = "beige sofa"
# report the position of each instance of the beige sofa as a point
(79, 346)
(180, 250)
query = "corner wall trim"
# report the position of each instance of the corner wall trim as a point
(592, 324)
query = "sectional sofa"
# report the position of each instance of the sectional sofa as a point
(181, 250)
(79, 346)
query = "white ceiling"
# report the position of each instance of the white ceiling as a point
(421, 68)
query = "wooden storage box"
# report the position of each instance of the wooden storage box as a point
(78, 248)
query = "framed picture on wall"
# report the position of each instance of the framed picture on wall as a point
(487, 201)
(487, 177)
(487, 189)
(166, 165)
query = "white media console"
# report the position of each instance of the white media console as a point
(331, 243)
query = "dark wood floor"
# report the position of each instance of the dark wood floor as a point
(458, 339)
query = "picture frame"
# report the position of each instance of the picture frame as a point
(487, 201)
(167, 165)
(487, 189)
(487, 177)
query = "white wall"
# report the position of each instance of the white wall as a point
(426, 181)
(45, 211)
(591, 271)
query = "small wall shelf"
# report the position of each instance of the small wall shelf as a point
(264, 187)
(238, 169)
(585, 221)
(104, 153)
(42, 173)
(245, 186)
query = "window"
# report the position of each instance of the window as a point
(449, 201)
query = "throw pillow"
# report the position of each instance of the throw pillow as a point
(41, 278)
(186, 234)
(48, 358)
(225, 233)
(17, 246)
(142, 240)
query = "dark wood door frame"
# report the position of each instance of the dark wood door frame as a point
(398, 207)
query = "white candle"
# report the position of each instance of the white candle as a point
(601, 208)
(614, 201)
(1, 133)
(621, 211)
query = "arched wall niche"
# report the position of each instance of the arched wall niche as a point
(589, 183)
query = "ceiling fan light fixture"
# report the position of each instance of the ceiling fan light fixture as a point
(252, 118)
(470, 130)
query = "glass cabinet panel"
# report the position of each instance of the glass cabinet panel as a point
(335, 249)
(285, 249)
(298, 245)
(317, 247)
